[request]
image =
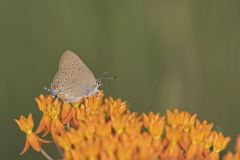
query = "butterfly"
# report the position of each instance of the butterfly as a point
(73, 79)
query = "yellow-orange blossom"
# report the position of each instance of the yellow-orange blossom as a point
(97, 128)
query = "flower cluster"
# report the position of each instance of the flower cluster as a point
(97, 128)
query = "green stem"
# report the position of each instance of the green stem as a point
(59, 149)
(46, 155)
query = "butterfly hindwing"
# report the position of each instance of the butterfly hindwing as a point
(73, 79)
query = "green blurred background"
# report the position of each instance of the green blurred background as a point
(165, 54)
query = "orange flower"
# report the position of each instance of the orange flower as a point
(26, 125)
(91, 149)
(112, 106)
(134, 124)
(76, 137)
(219, 143)
(45, 121)
(196, 135)
(93, 102)
(109, 145)
(98, 128)
(68, 112)
(81, 113)
(187, 121)
(118, 122)
(51, 110)
(184, 119)
(154, 123)
(54, 109)
(149, 148)
(64, 142)
(57, 127)
(88, 129)
(103, 128)
(173, 118)
(50, 120)
(173, 136)
(126, 147)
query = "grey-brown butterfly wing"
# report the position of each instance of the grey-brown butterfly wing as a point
(73, 79)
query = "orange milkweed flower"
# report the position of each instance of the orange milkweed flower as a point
(118, 122)
(219, 143)
(154, 123)
(173, 150)
(45, 121)
(112, 106)
(64, 142)
(196, 136)
(126, 147)
(68, 112)
(51, 110)
(109, 145)
(173, 118)
(148, 147)
(93, 102)
(26, 125)
(104, 129)
(50, 120)
(134, 124)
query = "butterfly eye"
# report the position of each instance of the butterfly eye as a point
(98, 82)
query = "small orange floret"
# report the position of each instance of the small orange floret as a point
(220, 142)
(26, 125)
(154, 123)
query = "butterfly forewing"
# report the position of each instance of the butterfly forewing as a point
(73, 79)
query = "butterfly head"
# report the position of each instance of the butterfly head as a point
(98, 83)
(51, 91)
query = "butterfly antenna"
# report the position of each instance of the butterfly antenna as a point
(104, 78)
(103, 74)
(107, 78)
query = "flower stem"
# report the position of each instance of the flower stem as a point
(59, 149)
(46, 155)
(68, 126)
